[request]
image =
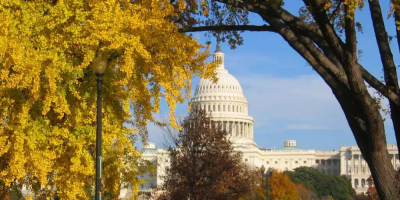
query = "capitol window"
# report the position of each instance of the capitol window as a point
(219, 108)
(285, 162)
(276, 162)
(223, 108)
(267, 162)
(209, 108)
(213, 107)
(305, 162)
(297, 162)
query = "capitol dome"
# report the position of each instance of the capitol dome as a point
(225, 101)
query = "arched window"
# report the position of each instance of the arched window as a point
(362, 182)
(355, 182)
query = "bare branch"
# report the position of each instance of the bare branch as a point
(380, 87)
(228, 28)
(336, 10)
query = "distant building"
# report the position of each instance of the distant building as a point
(229, 108)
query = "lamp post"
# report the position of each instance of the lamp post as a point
(99, 65)
(266, 175)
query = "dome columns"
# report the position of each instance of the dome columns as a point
(236, 128)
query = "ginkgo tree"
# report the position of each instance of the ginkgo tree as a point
(48, 91)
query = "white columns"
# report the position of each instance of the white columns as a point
(352, 164)
(245, 129)
(359, 164)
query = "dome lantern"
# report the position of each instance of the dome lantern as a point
(219, 57)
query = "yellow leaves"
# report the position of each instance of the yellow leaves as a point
(48, 91)
(181, 5)
(328, 5)
(352, 5)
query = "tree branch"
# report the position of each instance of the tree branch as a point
(320, 16)
(297, 45)
(228, 28)
(322, 58)
(380, 87)
(336, 10)
(295, 22)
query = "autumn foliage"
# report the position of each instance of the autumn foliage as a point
(48, 91)
(204, 166)
(280, 187)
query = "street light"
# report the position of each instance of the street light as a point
(266, 175)
(99, 66)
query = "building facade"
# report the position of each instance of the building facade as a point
(229, 108)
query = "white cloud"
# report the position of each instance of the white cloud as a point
(277, 101)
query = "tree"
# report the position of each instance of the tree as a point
(304, 193)
(325, 35)
(280, 187)
(372, 194)
(338, 187)
(48, 91)
(371, 191)
(205, 165)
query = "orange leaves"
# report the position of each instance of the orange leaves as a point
(281, 187)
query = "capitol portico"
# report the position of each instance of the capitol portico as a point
(229, 108)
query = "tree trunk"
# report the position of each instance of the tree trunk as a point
(369, 132)
(389, 67)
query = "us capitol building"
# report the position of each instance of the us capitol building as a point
(229, 108)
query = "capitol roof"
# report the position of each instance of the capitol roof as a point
(227, 87)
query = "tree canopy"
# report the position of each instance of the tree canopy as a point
(48, 91)
(338, 187)
(281, 187)
(204, 164)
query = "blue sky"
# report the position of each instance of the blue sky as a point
(287, 99)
